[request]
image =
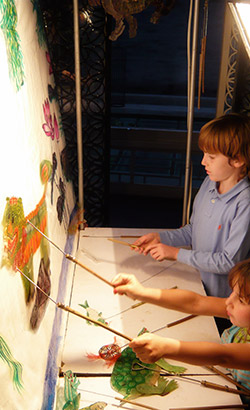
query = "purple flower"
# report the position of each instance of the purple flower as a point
(50, 127)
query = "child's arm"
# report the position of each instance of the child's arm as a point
(149, 348)
(176, 299)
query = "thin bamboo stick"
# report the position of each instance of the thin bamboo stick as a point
(70, 257)
(75, 312)
(216, 386)
(77, 262)
(230, 379)
(96, 322)
(214, 407)
(122, 242)
(135, 404)
(184, 319)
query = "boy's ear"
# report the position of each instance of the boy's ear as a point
(238, 162)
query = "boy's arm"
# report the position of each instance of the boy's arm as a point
(150, 348)
(175, 299)
(186, 301)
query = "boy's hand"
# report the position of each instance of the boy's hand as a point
(127, 284)
(149, 348)
(144, 241)
(159, 252)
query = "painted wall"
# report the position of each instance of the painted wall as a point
(33, 187)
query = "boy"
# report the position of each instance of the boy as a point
(219, 229)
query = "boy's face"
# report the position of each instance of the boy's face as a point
(238, 308)
(220, 169)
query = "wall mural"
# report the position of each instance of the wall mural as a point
(34, 188)
(21, 241)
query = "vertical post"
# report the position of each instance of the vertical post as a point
(190, 114)
(78, 109)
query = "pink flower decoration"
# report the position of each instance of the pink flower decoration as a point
(50, 129)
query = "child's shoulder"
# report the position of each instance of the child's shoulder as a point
(235, 334)
(244, 188)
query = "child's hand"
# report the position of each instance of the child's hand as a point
(159, 252)
(127, 284)
(144, 241)
(149, 348)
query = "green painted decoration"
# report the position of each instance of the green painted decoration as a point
(14, 365)
(8, 22)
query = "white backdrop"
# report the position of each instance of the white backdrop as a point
(31, 135)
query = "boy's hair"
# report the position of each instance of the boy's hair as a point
(240, 275)
(230, 136)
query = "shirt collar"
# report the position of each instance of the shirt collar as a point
(240, 186)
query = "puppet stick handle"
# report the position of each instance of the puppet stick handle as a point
(223, 388)
(223, 406)
(122, 243)
(177, 322)
(73, 259)
(230, 379)
(96, 322)
(135, 404)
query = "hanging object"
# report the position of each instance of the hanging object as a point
(201, 81)
(122, 10)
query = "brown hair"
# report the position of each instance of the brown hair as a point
(240, 275)
(230, 136)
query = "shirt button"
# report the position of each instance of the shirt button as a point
(213, 201)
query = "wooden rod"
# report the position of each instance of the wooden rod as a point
(77, 262)
(129, 236)
(96, 322)
(122, 242)
(223, 406)
(216, 386)
(184, 319)
(135, 404)
(228, 378)
(72, 258)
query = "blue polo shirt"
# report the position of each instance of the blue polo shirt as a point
(218, 234)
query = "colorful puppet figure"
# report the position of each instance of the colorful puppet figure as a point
(93, 314)
(69, 399)
(122, 10)
(132, 378)
(21, 240)
(109, 353)
(71, 396)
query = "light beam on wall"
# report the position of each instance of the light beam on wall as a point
(241, 13)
